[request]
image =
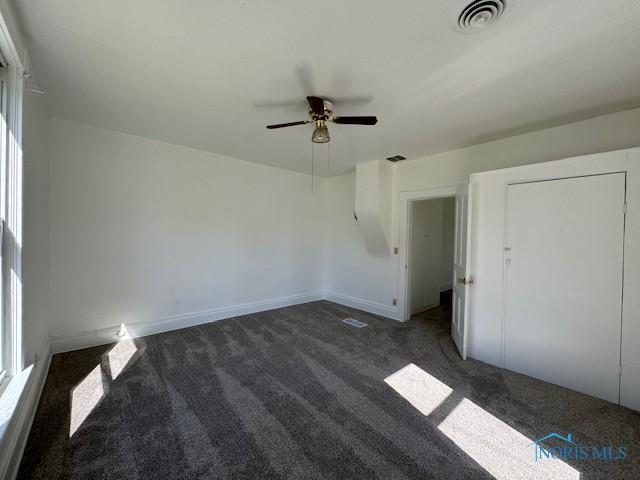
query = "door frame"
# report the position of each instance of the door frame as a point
(404, 239)
(505, 242)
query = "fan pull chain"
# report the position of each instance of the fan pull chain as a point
(312, 155)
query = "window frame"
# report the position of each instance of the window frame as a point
(11, 178)
(5, 331)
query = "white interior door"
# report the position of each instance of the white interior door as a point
(563, 302)
(461, 280)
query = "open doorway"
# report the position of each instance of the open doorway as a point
(431, 256)
(460, 269)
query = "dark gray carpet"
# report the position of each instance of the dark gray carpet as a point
(295, 393)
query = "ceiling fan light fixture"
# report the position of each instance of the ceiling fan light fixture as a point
(320, 133)
(321, 112)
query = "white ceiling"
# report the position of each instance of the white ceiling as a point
(202, 73)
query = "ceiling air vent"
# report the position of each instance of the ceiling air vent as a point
(396, 158)
(479, 14)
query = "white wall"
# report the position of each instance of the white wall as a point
(35, 248)
(373, 189)
(448, 238)
(485, 327)
(350, 271)
(426, 253)
(387, 182)
(142, 230)
(378, 282)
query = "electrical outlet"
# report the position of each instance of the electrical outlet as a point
(395, 302)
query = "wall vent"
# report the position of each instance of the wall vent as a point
(479, 14)
(396, 158)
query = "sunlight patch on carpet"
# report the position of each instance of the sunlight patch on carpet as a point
(85, 397)
(501, 450)
(119, 356)
(423, 391)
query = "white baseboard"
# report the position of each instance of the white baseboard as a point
(425, 308)
(176, 322)
(16, 434)
(110, 334)
(366, 305)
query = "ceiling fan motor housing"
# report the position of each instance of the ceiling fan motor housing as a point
(328, 111)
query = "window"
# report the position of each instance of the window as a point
(11, 83)
(5, 334)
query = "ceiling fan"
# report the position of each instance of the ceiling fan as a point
(321, 112)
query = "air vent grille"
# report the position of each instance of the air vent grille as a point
(479, 14)
(396, 158)
(354, 322)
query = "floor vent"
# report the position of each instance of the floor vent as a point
(354, 322)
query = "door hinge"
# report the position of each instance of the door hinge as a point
(624, 208)
(619, 370)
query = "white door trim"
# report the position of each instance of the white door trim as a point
(543, 178)
(598, 334)
(406, 197)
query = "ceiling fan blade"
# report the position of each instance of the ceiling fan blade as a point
(355, 120)
(298, 104)
(305, 78)
(317, 105)
(354, 100)
(282, 125)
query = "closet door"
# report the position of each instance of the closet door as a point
(563, 296)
